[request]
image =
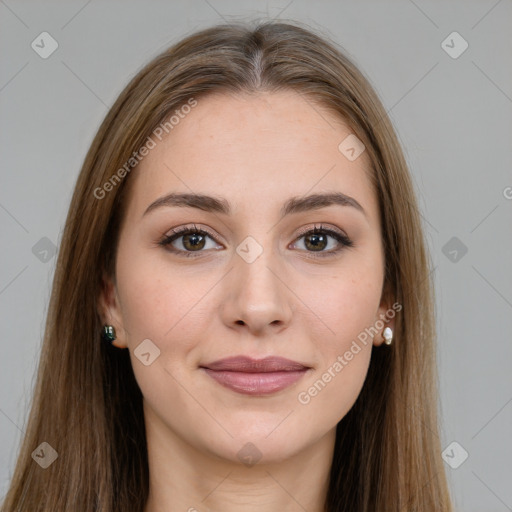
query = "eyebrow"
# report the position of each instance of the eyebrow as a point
(220, 205)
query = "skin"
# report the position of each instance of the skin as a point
(256, 151)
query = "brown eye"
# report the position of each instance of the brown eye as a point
(318, 239)
(186, 241)
(193, 241)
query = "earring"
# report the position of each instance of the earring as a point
(388, 335)
(108, 333)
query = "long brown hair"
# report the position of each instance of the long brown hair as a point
(87, 404)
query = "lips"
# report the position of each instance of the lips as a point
(248, 365)
(255, 376)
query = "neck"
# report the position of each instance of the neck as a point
(184, 478)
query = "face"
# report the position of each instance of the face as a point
(250, 277)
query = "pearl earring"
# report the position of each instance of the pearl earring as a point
(388, 335)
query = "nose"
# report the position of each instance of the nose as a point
(256, 297)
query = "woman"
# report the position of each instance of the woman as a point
(245, 225)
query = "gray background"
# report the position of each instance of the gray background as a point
(453, 116)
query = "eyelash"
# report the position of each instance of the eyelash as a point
(187, 230)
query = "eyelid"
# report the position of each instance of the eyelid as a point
(320, 227)
(301, 232)
(190, 227)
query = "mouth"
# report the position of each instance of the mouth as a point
(255, 376)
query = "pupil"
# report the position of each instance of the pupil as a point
(315, 242)
(195, 240)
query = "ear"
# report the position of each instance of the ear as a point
(109, 310)
(385, 315)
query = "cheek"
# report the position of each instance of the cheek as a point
(169, 306)
(329, 396)
(345, 305)
(161, 306)
(144, 307)
(348, 310)
(155, 301)
(345, 309)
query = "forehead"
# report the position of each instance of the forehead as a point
(251, 148)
